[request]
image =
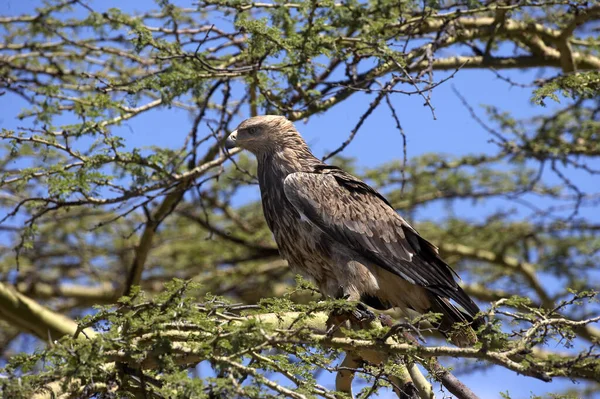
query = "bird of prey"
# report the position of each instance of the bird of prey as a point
(342, 234)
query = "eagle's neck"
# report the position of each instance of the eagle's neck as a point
(285, 161)
(275, 166)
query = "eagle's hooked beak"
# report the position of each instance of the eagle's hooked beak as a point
(231, 141)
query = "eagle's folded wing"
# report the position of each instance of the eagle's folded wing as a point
(355, 215)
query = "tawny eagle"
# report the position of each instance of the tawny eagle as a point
(341, 233)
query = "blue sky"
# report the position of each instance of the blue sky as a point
(453, 132)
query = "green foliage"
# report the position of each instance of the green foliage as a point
(149, 344)
(140, 331)
(578, 85)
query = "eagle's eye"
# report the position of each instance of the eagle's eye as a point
(251, 130)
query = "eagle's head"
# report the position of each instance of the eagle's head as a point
(265, 134)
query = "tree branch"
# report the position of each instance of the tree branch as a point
(29, 316)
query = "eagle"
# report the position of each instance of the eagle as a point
(339, 232)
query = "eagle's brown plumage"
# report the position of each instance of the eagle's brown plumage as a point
(337, 230)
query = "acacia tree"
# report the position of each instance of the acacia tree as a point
(89, 218)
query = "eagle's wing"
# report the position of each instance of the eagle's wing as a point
(355, 215)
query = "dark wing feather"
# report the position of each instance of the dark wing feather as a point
(354, 214)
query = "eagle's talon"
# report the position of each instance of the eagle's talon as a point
(400, 327)
(336, 320)
(360, 317)
(363, 314)
(331, 330)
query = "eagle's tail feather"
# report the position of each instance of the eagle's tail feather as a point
(456, 325)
